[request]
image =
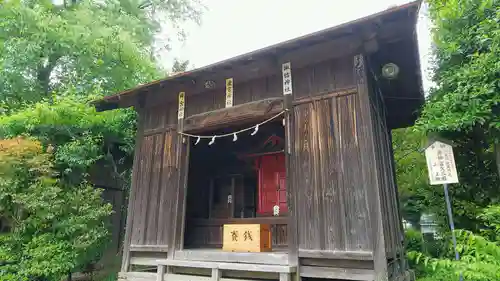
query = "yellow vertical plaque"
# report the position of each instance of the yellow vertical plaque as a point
(182, 104)
(229, 92)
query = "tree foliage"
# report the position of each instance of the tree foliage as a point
(479, 254)
(464, 108)
(46, 49)
(53, 61)
(54, 228)
(415, 193)
(467, 49)
(464, 105)
(78, 135)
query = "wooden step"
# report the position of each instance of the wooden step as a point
(228, 266)
(283, 271)
(144, 276)
(337, 273)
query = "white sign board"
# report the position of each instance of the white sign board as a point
(286, 70)
(441, 163)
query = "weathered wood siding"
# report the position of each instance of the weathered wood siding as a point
(332, 198)
(155, 180)
(386, 181)
(312, 80)
(333, 179)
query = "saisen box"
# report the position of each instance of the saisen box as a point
(247, 238)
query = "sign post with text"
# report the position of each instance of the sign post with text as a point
(442, 170)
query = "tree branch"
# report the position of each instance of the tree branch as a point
(145, 4)
(121, 179)
(497, 156)
(44, 72)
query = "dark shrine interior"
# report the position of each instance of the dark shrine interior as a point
(234, 181)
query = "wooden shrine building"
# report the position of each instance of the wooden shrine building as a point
(293, 140)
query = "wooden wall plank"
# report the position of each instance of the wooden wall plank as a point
(167, 189)
(155, 186)
(331, 189)
(328, 160)
(339, 199)
(316, 184)
(322, 78)
(139, 194)
(360, 215)
(170, 178)
(145, 189)
(303, 136)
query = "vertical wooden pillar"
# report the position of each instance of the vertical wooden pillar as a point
(370, 171)
(291, 192)
(160, 272)
(134, 184)
(181, 165)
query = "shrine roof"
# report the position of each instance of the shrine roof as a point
(405, 14)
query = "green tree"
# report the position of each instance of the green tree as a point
(464, 106)
(411, 174)
(53, 228)
(46, 49)
(53, 61)
(78, 136)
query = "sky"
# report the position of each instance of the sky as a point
(234, 27)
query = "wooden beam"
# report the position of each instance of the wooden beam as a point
(273, 258)
(291, 192)
(182, 277)
(340, 263)
(137, 276)
(143, 261)
(326, 95)
(337, 273)
(239, 114)
(149, 248)
(258, 220)
(229, 266)
(347, 255)
(370, 172)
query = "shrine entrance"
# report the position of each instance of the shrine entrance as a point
(236, 180)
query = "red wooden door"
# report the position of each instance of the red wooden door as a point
(272, 184)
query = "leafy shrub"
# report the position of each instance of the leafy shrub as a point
(479, 256)
(414, 240)
(54, 227)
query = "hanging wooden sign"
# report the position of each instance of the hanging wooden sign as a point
(182, 104)
(229, 92)
(287, 78)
